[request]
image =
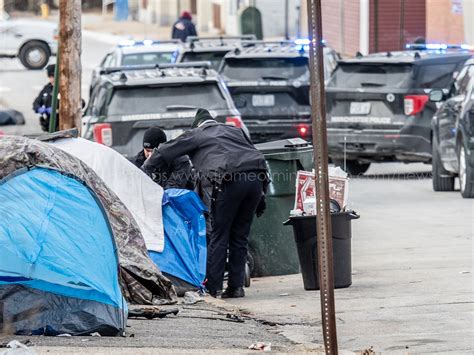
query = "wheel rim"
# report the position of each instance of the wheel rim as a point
(462, 169)
(35, 57)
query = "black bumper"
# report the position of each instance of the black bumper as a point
(261, 131)
(378, 145)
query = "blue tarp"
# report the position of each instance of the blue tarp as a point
(54, 237)
(185, 251)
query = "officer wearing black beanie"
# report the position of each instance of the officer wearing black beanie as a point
(177, 174)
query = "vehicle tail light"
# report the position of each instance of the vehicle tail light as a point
(414, 104)
(103, 134)
(234, 121)
(303, 130)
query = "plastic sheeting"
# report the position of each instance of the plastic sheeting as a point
(185, 252)
(136, 190)
(54, 237)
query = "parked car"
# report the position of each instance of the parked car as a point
(137, 53)
(127, 101)
(269, 83)
(211, 49)
(378, 108)
(453, 135)
(31, 41)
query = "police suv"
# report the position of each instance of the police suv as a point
(378, 107)
(211, 49)
(269, 83)
(137, 53)
(126, 101)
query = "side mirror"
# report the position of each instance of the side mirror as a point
(436, 95)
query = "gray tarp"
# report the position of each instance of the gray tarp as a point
(141, 281)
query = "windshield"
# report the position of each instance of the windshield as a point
(148, 58)
(349, 75)
(143, 100)
(214, 57)
(266, 68)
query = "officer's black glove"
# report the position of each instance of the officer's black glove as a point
(262, 206)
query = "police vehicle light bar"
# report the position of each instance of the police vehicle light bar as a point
(439, 46)
(145, 42)
(221, 38)
(203, 64)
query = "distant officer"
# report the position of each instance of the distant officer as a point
(232, 176)
(184, 27)
(43, 102)
(177, 174)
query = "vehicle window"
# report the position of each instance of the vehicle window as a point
(348, 75)
(266, 68)
(143, 100)
(107, 60)
(100, 101)
(436, 76)
(148, 58)
(214, 57)
(330, 63)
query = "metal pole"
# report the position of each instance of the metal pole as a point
(324, 235)
(54, 101)
(287, 30)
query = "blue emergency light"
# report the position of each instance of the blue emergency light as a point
(439, 46)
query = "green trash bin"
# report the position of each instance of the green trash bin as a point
(272, 250)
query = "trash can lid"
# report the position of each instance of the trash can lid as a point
(284, 146)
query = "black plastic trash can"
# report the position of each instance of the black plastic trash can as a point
(304, 229)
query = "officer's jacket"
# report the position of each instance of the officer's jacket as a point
(215, 149)
(44, 98)
(177, 175)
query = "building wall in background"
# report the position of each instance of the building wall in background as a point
(394, 23)
(445, 20)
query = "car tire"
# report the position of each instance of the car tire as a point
(465, 175)
(353, 167)
(32, 60)
(440, 182)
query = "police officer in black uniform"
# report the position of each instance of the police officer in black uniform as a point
(233, 173)
(177, 174)
(43, 102)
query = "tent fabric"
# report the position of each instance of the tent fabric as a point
(185, 252)
(140, 279)
(142, 198)
(54, 237)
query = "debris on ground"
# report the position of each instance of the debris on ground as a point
(95, 334)
(17, 348)
(192, 297)
(234, 317)
(64, 335)
(150, 312)
(261, 346)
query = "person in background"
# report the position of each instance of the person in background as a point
(184, 27)
(43, 102)
(232, 178)
(177, 174)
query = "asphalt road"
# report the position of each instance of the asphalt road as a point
(19, 86)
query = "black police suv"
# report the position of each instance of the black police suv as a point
(453, 135)
(378, 107)
(269, 83)
(127, 101)
(210, 49)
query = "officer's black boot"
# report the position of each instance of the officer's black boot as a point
(233, 292)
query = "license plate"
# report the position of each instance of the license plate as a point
(263, 100)
(173, 133)
(360, 108)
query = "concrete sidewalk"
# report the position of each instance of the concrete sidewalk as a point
(412, 288)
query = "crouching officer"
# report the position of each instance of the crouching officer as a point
(177, 174)
(233, 173)
(43, 102)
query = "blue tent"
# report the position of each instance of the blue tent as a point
(58, 260)
(183, 259)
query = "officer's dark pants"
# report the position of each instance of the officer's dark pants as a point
(231, 218)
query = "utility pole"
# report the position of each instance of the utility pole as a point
(70, 110)
(324, 233)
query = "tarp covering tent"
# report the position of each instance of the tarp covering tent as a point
(58, 260)
(183, 259)
(141, 280)
(136, 190)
